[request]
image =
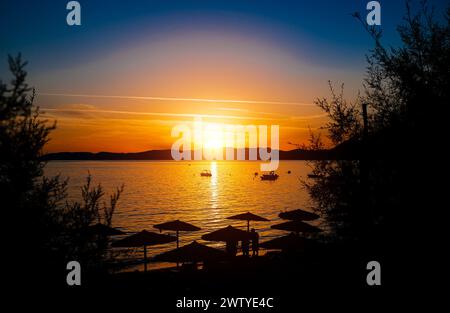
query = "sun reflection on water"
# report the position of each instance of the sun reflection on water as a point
(214, 188)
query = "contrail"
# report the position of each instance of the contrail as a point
(175, 99)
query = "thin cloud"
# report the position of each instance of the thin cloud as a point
(175, 99)
(309, 117)
(69, 110)
(233, 109)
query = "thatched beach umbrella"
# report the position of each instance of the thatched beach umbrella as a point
(228, 233)
(143, 238)
(299, 215)
(248, 217)
(289, 242)
(177, 226)
(297, 227)
(193, 252)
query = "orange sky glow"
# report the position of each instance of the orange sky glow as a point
(129, 99)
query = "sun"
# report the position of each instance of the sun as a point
(213, 137)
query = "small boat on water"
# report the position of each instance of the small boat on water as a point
(269, 176)
(206, 173)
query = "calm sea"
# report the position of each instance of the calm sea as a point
(159, 191)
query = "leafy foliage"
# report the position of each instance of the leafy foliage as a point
(344, 122)
(44, 220)
(370, 182)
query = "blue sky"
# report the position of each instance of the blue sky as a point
(38, 29)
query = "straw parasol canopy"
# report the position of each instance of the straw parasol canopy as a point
(177, 226)
(289, 242)
(299, 215)
(193, 252)
(228, 233)
(297, 227)
(248, 217)
(102, 230)
(143, 238)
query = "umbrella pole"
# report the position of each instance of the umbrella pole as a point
(145, 258)
(177, 247)
(248, 225)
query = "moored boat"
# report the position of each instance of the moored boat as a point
(206, 173)
(269, 176)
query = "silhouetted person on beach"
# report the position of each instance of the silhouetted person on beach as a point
(245, 247)
(255, 242)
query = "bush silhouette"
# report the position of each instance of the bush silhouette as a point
(45, 227)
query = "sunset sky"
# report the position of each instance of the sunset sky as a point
(133, 70)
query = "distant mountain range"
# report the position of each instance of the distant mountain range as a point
(296, 154)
